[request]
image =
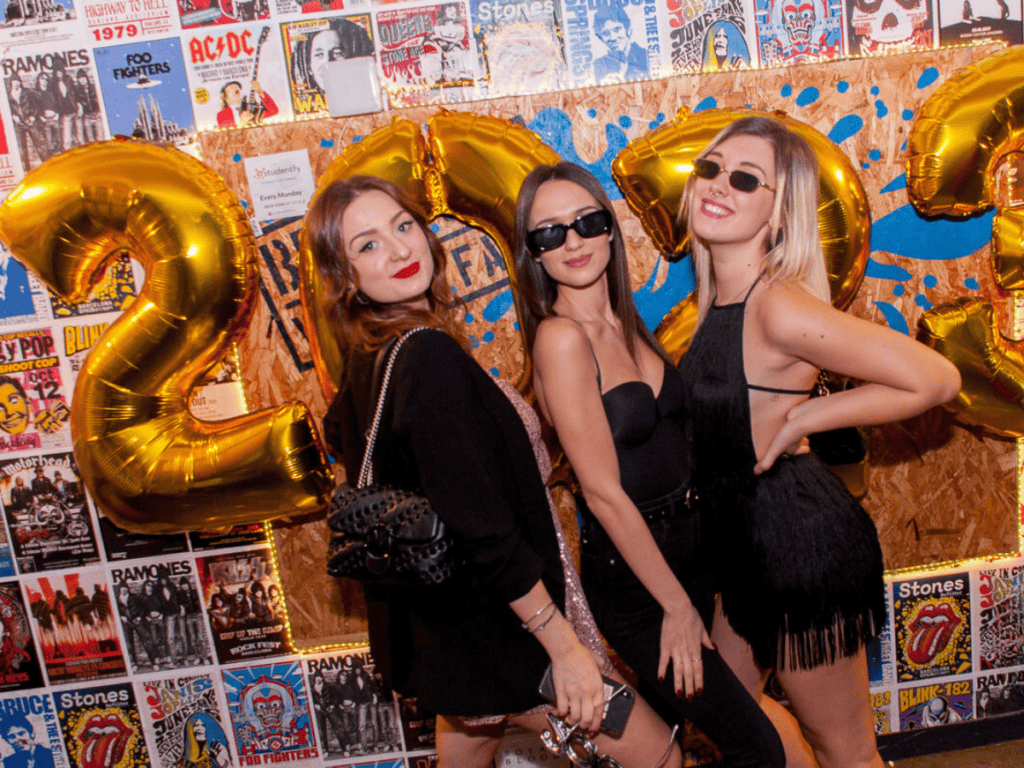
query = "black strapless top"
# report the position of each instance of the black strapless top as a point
(648, 434)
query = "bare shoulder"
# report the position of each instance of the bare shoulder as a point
(557, 336)
(785, 311)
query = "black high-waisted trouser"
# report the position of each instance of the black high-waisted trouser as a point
(630, 620)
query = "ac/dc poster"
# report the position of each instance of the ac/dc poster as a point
(926, 706)
(19, 662)
(161, 615)
(244, 604)
(933, 626)
(113, 293)
(33, 399)
(185, 721)
(44, 503)
(270, 714)
(353, 712)
(30, 732)
(1000, 693)
(1001, 617)
(102, 728)
(75, 623)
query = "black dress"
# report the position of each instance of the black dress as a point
(449, 431)
(652, 454)
(799, 564)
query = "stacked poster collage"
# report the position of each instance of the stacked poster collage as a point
(77, 71)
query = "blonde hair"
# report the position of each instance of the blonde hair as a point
(793, 246)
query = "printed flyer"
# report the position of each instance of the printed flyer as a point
(881, 709)
(965, 21)
(23, 299)
(203, 13)
(624, 45)
(889, 26)
(30, 732)
(937, 704)
(102, 727)
(1000, 693)
(26, 21)
(109, 21)
(46, 511)
(1001, 617)
(933, 627)
(185, 720)
(75, 622)
(19, 662)
(10, 167)
(113, 293)
(715, 36)
(34, 410)
(799, 31)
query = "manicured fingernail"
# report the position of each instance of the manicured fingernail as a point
(689, 697)
(700, 691)
(679, 692)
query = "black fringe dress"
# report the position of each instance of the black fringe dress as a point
(799, 566)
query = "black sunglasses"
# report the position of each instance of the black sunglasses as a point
(741, 181)
(552, 236)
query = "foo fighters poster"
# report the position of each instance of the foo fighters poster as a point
(933, 626)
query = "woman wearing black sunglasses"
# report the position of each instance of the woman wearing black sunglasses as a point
(616, 402)
(799, 565)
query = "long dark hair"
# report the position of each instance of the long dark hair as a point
(366, 325)
(537, 292)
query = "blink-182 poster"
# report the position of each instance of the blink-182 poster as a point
(1001, 617)
(33, 399)
(926, 706)
(19, 662)
(30, 732)
(185, 720)
(44, 503)
(75, 624)
(101, 727)
(270, 714)
(933, 626)
(244, 604)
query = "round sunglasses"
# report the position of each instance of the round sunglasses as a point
(741, 181)
(552, 236)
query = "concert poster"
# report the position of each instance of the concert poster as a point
(240, 535)
(121, 545)
(881, 666)
(30, 731)
(418, 724)
(10, 167)
(889, 27)
(46, 89)
(1001, 617)
(23, 299)
(75, 624)
(244, 604)
(19, 661)
(25, 23)
(102, 728)
(967, 21)
(161, 615)
(237, 77)
(204, 13)
(113, 293)
(927, 706)
(341, 687)
(183, 716)
(110, 21)
(1000, 693)
(270, 714)
(44, 502)
(933, 626)
(714, 36)
(881, 710)
(799, 31)
(33, 399)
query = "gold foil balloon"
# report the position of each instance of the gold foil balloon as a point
(652, 172)
(397, 153)
(150, 464)
(963, 154)
(676, 328)
(991, 366)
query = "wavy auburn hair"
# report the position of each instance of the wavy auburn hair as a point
(366, 325)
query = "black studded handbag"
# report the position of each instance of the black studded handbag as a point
(386, 535)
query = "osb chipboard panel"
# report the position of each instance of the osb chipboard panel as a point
(937, 491)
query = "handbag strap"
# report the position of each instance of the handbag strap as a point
(366, 469)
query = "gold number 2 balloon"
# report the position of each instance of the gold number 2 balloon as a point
(964, 156)
(150, 464)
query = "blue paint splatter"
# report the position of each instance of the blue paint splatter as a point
(892, 316)
(904, 147)
(474, 342)
(786, 91)
(900, 182)
(842, 86)
(865, 166)
(922, 301)
(908, 114)
(591, 113)
(971, 283)
(489, 337)
(875, 155)
(898, 290)
(495, 373)
(435, 227)
(885, 271)
(328, 143)
(360, 137)
(496, 308)
(245, 203)
(928, 77)
(845, 128)
(515, 326)
(874, 90)
(555, 129)
(880, 109)
(679, 283)
(930, 281)
(905, 233)
(709, 103)
(469, 317)
(807, 96)
(236, 157)
(626, 122)
(658, 120)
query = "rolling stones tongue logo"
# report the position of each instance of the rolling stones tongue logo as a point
(105, 741)
(930, 632)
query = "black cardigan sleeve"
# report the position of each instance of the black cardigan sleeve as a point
(455, 428)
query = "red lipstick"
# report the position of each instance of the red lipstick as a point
(409, 271)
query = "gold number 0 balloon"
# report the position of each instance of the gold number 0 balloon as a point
(475, 167)
(964, 156)
(150, 464)
(652, 172)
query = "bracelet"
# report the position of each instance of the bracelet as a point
(539, 627)
(526, 624)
